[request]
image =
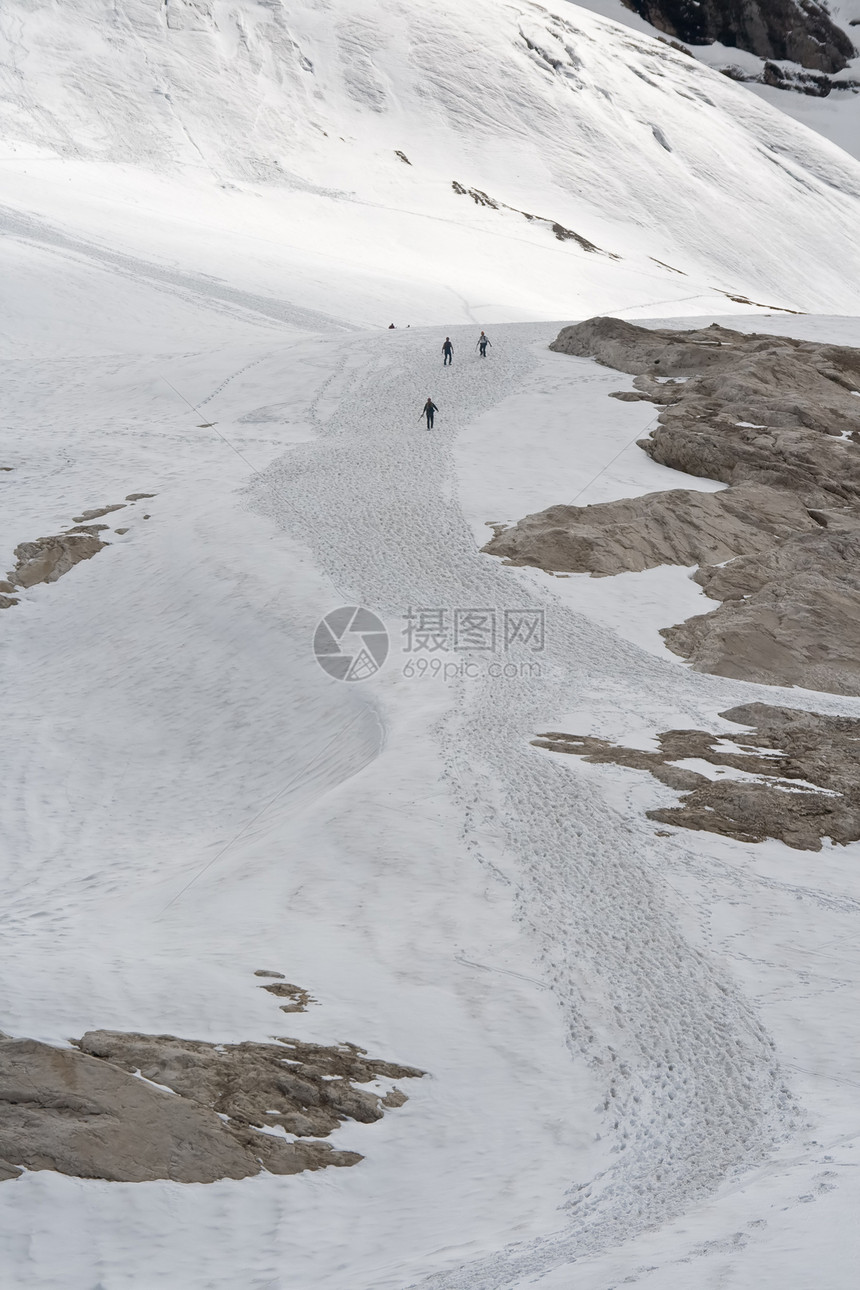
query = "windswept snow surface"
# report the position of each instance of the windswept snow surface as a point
(623, 1035)
(641, 1051)
(258, 145)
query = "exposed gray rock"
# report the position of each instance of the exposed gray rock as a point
(752, 409)
(776, 419)
(66, 1111)
(100, 511)
(622, 345)
(95, 1111)
(298, 997)
(789, 617)
(779, 77)
(799, 31)
(676, 527)
(304, 1088)
(807, 792)
(561, 233)
(48, 558)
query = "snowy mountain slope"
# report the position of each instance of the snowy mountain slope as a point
(639, 1051)
(191, 798)
(184, 128)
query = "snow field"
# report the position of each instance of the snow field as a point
(711, 1077)
(637, 1048)
(395, 847)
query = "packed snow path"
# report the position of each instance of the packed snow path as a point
(692, 1089)
(228, 807)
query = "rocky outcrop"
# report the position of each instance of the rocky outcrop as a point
(741, 399)
(48, 558)
(778, 421)
(798, 31)
(132, 1108)
(66, 1111)
(559, 231)
(789, 617)
(676, 527)
(799, 781)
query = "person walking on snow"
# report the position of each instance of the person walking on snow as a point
(483, 342)
(448, 351)
(428, 411)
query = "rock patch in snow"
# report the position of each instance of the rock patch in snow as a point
(99, 511)
(299, 999)
(561, 233)
(133, 1108)
(798, 775)
(675, 527)
(48, 558)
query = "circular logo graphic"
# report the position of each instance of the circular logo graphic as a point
(351, 643)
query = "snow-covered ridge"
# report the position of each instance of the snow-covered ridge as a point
(613, 135)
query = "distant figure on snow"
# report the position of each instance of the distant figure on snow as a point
(428, 411)
(448, 351)
(391, 327)
(483, 342)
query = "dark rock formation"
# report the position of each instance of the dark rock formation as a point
(806, 787)
(798, 31)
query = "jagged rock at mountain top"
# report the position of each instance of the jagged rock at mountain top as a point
(675, 527)
(799, 31)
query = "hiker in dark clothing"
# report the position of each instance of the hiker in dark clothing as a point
(483, 342)
(428, 411)
(448, 351)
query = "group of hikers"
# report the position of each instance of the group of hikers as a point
(429, 410)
